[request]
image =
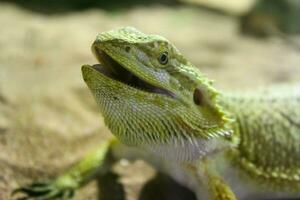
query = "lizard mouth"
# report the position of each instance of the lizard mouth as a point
(116, 71)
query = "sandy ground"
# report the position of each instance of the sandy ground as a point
(48, 119)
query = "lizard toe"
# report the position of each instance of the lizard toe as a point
(43, 191)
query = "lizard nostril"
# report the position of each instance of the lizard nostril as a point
(127, 49)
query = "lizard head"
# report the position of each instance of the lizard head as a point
(152, 97)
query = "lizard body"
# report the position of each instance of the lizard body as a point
(162, 109)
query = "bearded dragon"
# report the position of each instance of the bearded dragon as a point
(162, 109)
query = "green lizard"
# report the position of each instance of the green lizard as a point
(223, 146)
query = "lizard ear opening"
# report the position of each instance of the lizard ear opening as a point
(198, 97)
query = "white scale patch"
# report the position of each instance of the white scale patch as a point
(179, 149)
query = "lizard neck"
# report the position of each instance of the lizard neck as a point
(231, 107)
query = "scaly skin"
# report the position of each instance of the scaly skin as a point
(163, 110)
(269, 134)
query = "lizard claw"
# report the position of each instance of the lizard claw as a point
(44, 191)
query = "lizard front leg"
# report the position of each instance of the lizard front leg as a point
(218, 189)
(65, 185)
(208, 183)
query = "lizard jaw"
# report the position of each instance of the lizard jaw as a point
(114, 70)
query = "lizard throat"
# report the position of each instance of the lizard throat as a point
(114, 70)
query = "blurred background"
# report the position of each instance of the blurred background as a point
(48, 118)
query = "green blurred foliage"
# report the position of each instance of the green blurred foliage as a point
(58, 6)
(270, 17)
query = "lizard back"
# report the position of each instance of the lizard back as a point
(268, 128)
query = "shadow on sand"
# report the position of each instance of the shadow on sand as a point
(161, 187)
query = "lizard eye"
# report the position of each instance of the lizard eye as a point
(163, 58)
